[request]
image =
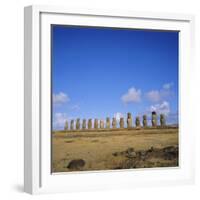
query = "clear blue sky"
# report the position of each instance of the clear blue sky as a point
(98, 72)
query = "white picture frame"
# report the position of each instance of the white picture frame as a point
(37, 142)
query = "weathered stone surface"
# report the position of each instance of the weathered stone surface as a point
(154, 119)
(84, 124)
(72, 125)
(102, 124)
(129, 150)
(121, 122)
(130, 153)
(137, 122)
(129, 115)
(153, 157)
(114, 123)
(96, 124)
(107, 122)
(77, 164)
(129, 123)
(162, 120)
(90, 124)
(143, 155)
(78, 125)
(170, 152)
(66, 125)
(129, 120)
(144, 121)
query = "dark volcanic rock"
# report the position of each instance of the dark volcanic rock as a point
(121, 153)
(142, 155)
(170, 152)
(151, 149)
(76, 164)
(170, 149)
(116, 154)
(130, 153)
(152, 157)
(127, 164)
(130, 150)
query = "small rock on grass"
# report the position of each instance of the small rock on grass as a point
(131, 154)
(76, 164)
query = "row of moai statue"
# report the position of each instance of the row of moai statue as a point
(107, 124)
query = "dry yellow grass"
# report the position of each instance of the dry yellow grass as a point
(96, 148)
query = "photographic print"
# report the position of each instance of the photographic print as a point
(114, 98)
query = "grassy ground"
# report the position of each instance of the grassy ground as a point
(117, 149)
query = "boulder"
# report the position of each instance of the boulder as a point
(77, 164)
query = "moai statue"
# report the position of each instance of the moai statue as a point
(66, 125)
(162, 120)
(121, 122)
(101, 123)
(72, 125)
(137, 122)
(114, 123)
(154, 119)
(84, 124)
(107, 122)
(78, 125)
(90, 124)
(96, 125)
(129, 120)
(144, 121)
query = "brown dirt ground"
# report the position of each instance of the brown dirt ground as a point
(98, 149)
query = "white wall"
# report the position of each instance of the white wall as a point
(11, 91)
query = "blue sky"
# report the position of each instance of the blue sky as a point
(105, 72)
